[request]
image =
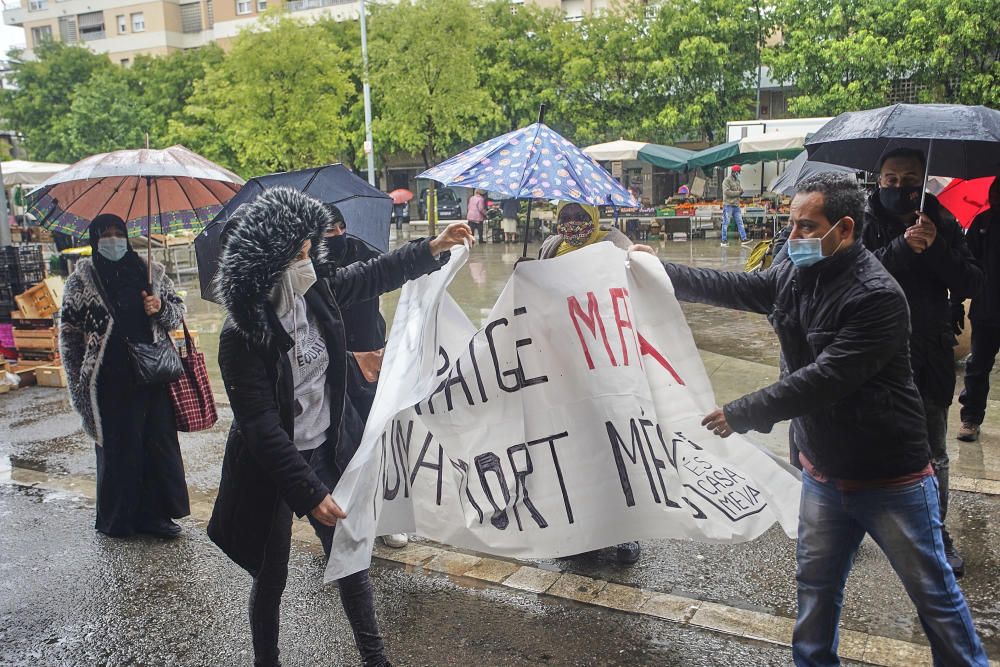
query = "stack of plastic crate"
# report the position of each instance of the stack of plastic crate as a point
(21, 267)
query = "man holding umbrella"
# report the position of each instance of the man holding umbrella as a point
(925, 251)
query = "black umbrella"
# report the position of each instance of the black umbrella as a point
(800, 168)
(367, 211)
(958, 141)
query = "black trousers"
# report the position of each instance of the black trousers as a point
(140, 472)
(985, 346)
(356, 596)
(477, 229)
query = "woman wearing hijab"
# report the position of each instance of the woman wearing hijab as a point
(108, 302)
(577, 227)
(283, 357)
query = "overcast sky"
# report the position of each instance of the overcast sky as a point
(10, 36)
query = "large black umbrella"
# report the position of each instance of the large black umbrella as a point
(367, 211)
(800, 168)
(959, 141)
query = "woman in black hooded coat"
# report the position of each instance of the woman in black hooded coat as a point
(267, 472)
(108, 302)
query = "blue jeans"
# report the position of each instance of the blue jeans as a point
(906, 523)
(730, 211)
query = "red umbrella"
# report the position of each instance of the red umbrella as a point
(401, 196)
(966, 199)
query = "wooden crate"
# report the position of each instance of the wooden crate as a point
(43, 300)
(26, 371)
(36, 339)
(50, 376)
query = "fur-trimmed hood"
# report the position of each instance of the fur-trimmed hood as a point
(262, 240)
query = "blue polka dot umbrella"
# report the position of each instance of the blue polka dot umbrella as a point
(534, 162)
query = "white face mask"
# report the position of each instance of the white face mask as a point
(112, 247)
(301, 276)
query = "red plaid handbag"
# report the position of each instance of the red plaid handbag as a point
(194, 406)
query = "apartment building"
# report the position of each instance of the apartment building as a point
(126, 28)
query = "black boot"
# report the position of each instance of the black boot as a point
(955, 559)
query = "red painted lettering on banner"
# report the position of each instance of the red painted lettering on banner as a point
(620, 294)
(592, 320)
(647, 349)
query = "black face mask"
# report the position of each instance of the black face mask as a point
(336, 246)
(901, 200)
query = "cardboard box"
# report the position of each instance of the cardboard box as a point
(50, 376)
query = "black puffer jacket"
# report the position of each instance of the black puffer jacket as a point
(983, 238)
(843, 327)
(945, 271)
(262, 467)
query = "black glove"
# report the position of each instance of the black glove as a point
(958, 317)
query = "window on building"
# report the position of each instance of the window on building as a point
(138, 22)
(261, 5)
(243, 7)
(41, 33)
(67, 30)
(572, 9)
(191, 17)
(210, 13)
(122, 24)
(124, 62)
(37, 5)
(91, 26)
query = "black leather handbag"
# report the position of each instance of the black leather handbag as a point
(152, 363)
(155, 363)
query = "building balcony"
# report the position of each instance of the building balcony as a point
(16, 15)
(302, 5)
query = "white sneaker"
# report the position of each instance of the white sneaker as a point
(746, 242)
(724, 244)
(397, 541)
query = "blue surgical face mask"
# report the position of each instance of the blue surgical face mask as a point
(806, 252)
(112, 247)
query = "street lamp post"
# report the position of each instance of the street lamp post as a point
(366, 90)
(4, 217)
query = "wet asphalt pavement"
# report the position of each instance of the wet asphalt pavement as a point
(71, 596)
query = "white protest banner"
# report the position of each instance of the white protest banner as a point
(571, 421)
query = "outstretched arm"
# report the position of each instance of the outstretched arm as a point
(366, 280)
(754, 292)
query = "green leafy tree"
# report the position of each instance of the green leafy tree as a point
(41, 100)
(518, 62)
(703, 60)
(166, 83)
(956, 49)
(280, 100)
(604, 90)
(107, 113)
(841, 55)
(426, 94)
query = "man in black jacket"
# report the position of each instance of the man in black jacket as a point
(927, 254)
(844, 328)
(984, 243)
